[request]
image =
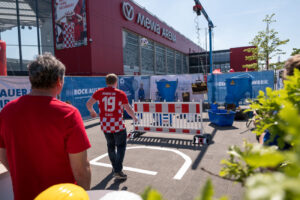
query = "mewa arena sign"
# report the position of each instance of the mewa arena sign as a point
(146, 22)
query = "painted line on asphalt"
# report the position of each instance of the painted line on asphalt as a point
(178, 176)
(142, 171)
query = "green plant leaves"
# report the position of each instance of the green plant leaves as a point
(151, 194)
(264, 157)
(207, 192)
(272, 186)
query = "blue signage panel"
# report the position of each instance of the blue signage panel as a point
(78, 90)
(136, 87)
(217, 84)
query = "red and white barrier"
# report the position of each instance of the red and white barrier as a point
(169, 117)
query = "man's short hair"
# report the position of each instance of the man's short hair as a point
(111, 79)
(291, 64)
(45, 71)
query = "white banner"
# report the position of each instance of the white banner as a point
(12, 87)
(184, 85)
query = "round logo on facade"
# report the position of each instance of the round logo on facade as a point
(128, 11)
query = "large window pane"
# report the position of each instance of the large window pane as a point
(46, 26)
(148, 58)
(9, 34)
(29, 42)
(178, 63)
(46, 35)
(185, 65)
(130, 53)
(160, 59)
(29, 52)
(170, 61)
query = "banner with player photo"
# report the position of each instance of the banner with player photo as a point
(70, 23)
(137, 88)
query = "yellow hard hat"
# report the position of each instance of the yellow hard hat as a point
(66, 191)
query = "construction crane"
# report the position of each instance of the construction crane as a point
(198, 8)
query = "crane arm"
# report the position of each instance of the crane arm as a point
(202, 10)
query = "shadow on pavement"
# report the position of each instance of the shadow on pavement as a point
(92, 125)
(203, 150)
(165, 142)
(114, 186)
(223, 128)
(102, 185)
(205, 120)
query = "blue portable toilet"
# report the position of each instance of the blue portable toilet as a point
(166, 90)
(238, 88)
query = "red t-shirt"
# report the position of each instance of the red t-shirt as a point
(38, 133)
(110, 108)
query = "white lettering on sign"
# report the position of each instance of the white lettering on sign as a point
(83, 91)
(80, 91)
(260, 82)
(256, 82)
(168, 34)
(147, 23)
(220, 84)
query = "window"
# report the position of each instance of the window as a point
(148, 58)
(35, 36)
(170, 61)
(178, 63)
(130, 53)
(160, 59)
(185, 65)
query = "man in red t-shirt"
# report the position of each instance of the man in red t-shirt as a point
(43, 140)
(111, 104)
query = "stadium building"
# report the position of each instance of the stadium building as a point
(92, 37)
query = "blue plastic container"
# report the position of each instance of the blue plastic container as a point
(214, 106)
(167, 90)
(238, 88)
(221, 117)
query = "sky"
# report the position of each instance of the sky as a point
(236, 21)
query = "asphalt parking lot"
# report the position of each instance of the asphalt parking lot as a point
(169, 163)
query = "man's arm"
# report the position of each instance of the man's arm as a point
(89, 106)
(81, 169)
(3, 158)
(130, 112)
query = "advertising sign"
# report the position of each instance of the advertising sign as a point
(12, 88)
(78, 90)
(136, 87)
(70, 23)
(184, 87)
(146, 22)
(217, 84)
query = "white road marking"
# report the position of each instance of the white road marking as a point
(177, 176)
(142, 171)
